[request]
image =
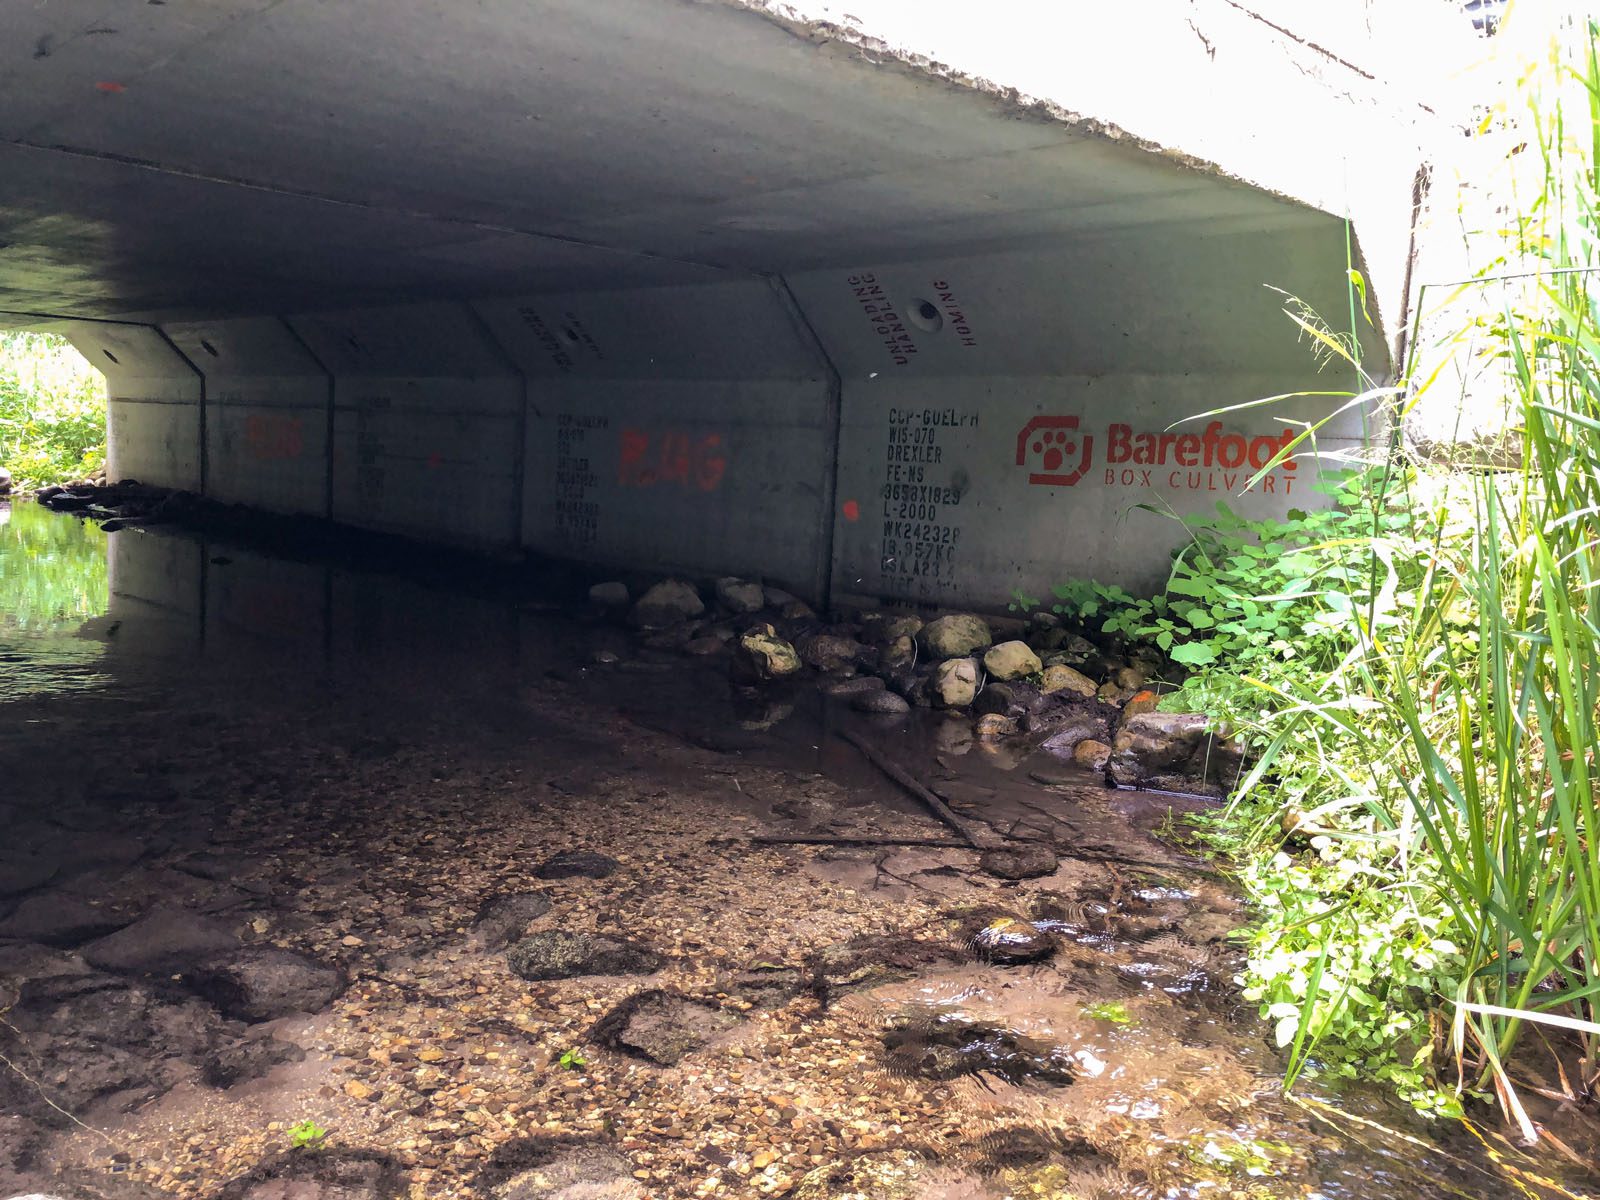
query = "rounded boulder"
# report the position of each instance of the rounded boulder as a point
(563, 954)
(955, 635)
(1062, 678)
(1031, 861)
(1011, 660)
(738, 596)
(954, 683)
(262, 983)
(669, 602)
(1012, 941)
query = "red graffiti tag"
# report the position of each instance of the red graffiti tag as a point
(274, 436)
(645, 459)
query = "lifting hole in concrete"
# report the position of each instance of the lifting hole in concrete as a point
(109, 355)
(925, 316)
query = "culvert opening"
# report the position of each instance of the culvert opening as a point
(52, 430)
(52, 412)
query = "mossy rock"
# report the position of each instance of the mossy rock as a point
(761, 656)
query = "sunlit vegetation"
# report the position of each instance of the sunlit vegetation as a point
(52, 411)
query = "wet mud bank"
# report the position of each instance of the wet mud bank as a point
(508, 902)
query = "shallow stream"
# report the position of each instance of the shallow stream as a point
(1123, 1063)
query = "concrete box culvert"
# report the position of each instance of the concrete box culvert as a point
(842, 318)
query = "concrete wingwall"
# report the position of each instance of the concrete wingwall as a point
(946, 431)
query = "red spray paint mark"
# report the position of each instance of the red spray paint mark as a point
(852, 510)
(434, 460)
(106, 85)
(645, 459)
(272, 436)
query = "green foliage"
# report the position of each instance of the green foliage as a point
(1080, 600)
(572, 1060)
(1340, 960)
(52, 410)
(1266, 596)
(1346, 959)
(1260, 597)
(307, 1135)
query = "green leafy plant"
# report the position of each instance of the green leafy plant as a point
(1439, 889)
(572, 1060)
(1080, 600)
(306, 1135)
(1113, 1011)
(1258, 595)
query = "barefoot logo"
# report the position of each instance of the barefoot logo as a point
(1047, 444)
(1058, 454)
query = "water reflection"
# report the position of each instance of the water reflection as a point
(148, 604)
(53, 570)
(53, 584)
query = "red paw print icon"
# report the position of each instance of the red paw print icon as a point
(1048, 444)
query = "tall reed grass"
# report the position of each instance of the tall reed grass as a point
(1448, 762)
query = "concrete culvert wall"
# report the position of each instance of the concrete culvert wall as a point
(945, 430)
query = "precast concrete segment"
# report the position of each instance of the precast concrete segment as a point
(677, 429)
(426, 415)
(1328, 105)
(155, 412)
(267, 404)
(1005, 417)
(100, 236)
